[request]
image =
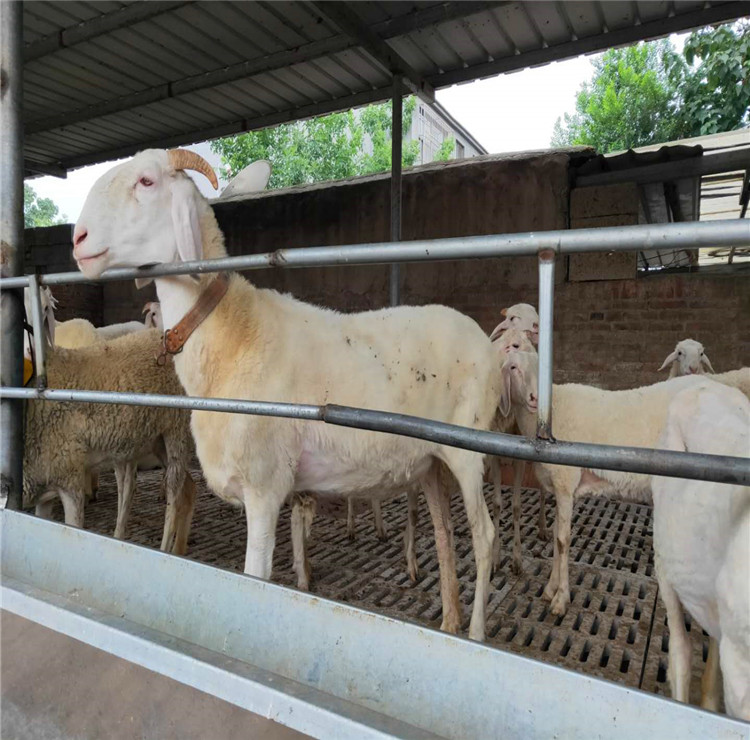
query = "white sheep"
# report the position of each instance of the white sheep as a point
(688, 358)
(63, 440)
(511, 340)
(153, 320)
(426, 361)
(702, 546)
(521, 316)
(581, 413)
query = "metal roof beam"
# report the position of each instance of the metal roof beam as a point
(234, 127)
(728, 11)
(305, 53)
(98, 26)
(40, 168)
(707, 164)
(353, 26)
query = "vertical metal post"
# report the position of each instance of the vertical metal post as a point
(11, 243)
(396, 149)
(546, 299)
(37, 321)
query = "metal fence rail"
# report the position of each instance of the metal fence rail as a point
(718, 468)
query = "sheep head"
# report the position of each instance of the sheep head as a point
(520, 380)
(153, 318)
(520, 316)
(142, 212)
(514, 339)
(688, 358)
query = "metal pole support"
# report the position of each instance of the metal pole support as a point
(11, 243)
(396, 154)
(37, 321)
(546, 300)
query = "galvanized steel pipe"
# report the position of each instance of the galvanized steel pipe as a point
(11, 243)
(396, 153)
(546, 311)
(40, 345)
(684, 235)
(719, 468)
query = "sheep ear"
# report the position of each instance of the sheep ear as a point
(534, 335)
(187, 229)
(142, 282)
(48, 322)
(504, 312)
(497, 332)
(670, 359)
(707, 363)
(504, 404)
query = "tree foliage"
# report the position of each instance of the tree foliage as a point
(320, 149)
(446, 150)
(39, 211)
(712, 80)
(649, 93)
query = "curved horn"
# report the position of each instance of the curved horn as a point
(184, 159)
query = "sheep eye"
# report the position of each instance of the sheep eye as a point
(146, 182)
(515, 346)
(679, 354)
(513, 367)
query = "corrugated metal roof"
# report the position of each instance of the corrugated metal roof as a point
(104, 79)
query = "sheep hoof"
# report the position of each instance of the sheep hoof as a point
(560, 603)
(450, 625)
(350, 536)
(413, 572)
(383, 535)
(516, 567)
(545, 535)
(549, 592)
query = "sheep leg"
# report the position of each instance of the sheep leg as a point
(554, 577)
(185, 507)
(410, 535)
(561, 598)
(45, 506)
(519, 468)
(679, 643)
(94, 485)
(173, 485)
(711, 679)
(735, 667)
(544, 534)
(377, 512)
(350, 519)
(438, 501)
(303, 513)
(262, 513)
(467, 469)
(125, 476)
(73, 502)
(496, 474)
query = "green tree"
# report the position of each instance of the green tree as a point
(320, 149)
(712, 79)
(39, 211)
(446, 150)
(627, 103)
(649, 93)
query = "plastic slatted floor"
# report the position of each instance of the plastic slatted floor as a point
(615, 627)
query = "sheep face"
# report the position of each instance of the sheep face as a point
(520, 377)
(142, 212)
(689, 358)
(153, 319)
(522, 316)
(514, 339)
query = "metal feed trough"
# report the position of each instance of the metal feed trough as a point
(322, 667)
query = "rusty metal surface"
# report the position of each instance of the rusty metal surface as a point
(615, 627)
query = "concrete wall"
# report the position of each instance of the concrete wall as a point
(610, 332)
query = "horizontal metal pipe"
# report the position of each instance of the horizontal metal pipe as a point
(718, 468)
(687, 235)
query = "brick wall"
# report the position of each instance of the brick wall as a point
(612, 333)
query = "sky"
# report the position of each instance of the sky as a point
(509, 113)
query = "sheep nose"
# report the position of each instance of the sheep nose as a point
(79, 236)
(532, 397)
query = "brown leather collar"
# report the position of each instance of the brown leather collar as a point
(174, 339)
